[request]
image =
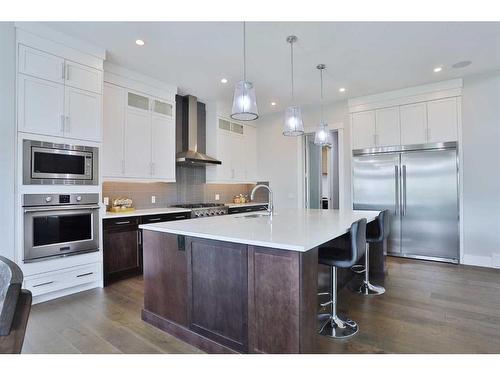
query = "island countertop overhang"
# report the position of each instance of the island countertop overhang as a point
(291, 229)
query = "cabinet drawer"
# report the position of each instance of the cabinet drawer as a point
(59, 280)
(121, 221)
(238, 210)
(151, 219)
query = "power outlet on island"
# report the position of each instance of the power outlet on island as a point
(217, 197)
(106, 201)
(153, 199)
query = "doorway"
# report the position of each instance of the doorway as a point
(321, 174)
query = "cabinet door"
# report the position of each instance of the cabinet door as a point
(224, 154)
(363, 129)
(238, 157)
(413, 123)
(40, 106)
(83, 114)
(40, 64)
(163, 147)
(250, 154)
(113, 130)
(388, 132)
(83, 77)
(138, 144)
(442, 120)
(121, 243)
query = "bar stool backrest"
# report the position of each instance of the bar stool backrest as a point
(383, 228)
(358, 241)
(11, 279)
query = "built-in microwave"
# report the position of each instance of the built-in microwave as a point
(46, 163)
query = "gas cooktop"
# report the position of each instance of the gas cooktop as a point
(204, 209)
(198, 205)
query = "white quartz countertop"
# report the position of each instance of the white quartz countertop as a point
(145, 212)
(291, 229)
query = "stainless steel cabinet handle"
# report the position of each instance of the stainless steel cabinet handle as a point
(404, 190)
(63, 71)
(180, 217)
(62, 123)
(85, 274)
(396, 179)
(59, 208)
(139, 237)
(123, 166)
(67, 73)
(43, 284)
(67, 124)
(122, 222)
(155, 219)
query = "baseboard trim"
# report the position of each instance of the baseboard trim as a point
(492, 261)
(185, 334)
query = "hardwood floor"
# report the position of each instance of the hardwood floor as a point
(428, 308)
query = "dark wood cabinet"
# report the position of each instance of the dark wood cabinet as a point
(122, 248)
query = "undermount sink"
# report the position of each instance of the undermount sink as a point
(251, 216)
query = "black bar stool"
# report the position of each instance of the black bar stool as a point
(341, 257)
(375, 233)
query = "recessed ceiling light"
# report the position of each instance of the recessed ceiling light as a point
(223, 80)
(139, 42)
(438, 69)
(273, 104)
(461, 64)
(342, 89)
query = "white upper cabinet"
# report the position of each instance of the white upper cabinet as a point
(58, 97)
(40, 64)
(442, 120)
(83, 77)
(40, 106)
(387, 127)
(137, 144)
(413, 123)
(138, 136)
(112, 161)
(237, 150)
(82, 114)
(163, 147)
(363, 129)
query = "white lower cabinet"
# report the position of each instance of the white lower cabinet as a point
(63, 279)
(138, 136)
(40, 106)
(82, 114)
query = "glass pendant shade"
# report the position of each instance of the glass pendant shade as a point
(244, 102)
(293, 124)
(322, 136)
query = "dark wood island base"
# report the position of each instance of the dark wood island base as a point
(226, 297)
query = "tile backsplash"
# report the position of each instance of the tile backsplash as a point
(191, 187)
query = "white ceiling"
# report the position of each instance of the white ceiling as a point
(365, 58)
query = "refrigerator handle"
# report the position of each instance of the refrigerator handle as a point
(396, 179)
(403, 188)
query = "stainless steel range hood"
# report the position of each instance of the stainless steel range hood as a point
(191, 132)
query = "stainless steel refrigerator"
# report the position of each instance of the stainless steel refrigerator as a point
(419, 185)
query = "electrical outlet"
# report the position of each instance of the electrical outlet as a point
(153, 199)
(106, 201)
(217, 197)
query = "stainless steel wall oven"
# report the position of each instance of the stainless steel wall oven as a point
(57, 225)
(46, 163)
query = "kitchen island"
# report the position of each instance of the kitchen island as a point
(240, 283)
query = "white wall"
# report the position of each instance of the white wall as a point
(481, 169)
(280, 158)
(7, 137)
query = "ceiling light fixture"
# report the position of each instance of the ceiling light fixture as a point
(342, 89)
(223, 80)
(293, 124)
(273, 104)
(139, 42)
(322, 136)
(461, 64)
(438, 69)
(244, 99)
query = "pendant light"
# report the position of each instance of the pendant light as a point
(293, 124)
(244, 100)
(322, 136)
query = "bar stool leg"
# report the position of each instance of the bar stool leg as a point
(366, 287)
(334, 326)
